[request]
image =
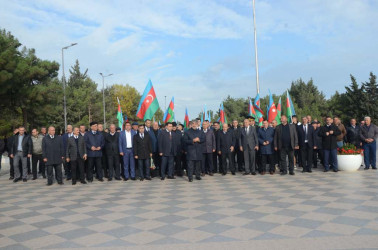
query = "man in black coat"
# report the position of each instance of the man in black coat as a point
(143, 152)
(167, 150)
(67, 165)
(193, 138)
(2, 149)
(329, 132)
(237, 152)
(95, 142)
(216, 157)
(286, 141)
(178, 144)
(353, 133)
(53, 155)
(225, 146)
(21, 150)
(76, 154)
(112, 153)
(9, 148)
(307, 144)
(209, 147)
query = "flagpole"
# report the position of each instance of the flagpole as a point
(256, 61)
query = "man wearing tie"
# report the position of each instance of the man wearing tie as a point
(209, 148)
(193, 138)
(112, 153)
(76, 154)
(95, 143)
(67, 165)
(248, 144)
(307, 144)
(126, 150)
(143, 152)
(20, 151)
(225, 146)
(167, 150)
(53, 155)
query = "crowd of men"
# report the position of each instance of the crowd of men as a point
(145, 151)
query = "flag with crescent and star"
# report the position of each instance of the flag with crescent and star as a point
(148, 104)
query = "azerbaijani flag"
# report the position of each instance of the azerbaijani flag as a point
(148, 104)
(272, 110)
(258, 110)
(222, 115)
(289, 107)
(169, 114)
(186, 119)
(251, 110)
(279, 112)
(119, 115)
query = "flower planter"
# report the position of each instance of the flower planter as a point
(349, 162)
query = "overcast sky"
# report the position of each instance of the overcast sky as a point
(202, 51)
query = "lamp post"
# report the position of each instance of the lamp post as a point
(256, 61)
(64, 87)
(103, 95)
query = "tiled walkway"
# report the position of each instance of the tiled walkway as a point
(318, 210)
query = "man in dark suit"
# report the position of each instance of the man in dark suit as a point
(248, 142)
(353, 133)
(76, 154)
(193, 138)
(178, 144)
(143, 152)
(286, 141)
(154, 135)
(21, 150)
(225, 146)
(104, 160)
(9, 147)
(112, 153)
(237, 153)
(95, 143)
(167, 150)
(125, 145)
(307, 144)
(216, 157)
(53, 156)
(209, 147)
(318, 152)
(266, 139)
(67, 165)
(329, 134)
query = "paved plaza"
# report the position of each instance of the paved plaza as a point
(305, 211)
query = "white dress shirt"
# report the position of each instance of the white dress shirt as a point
(129, 143)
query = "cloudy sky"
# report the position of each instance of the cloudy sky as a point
(202, 51)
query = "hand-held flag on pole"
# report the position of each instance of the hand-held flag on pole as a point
(148, 104)
(186, 119)
(119, 115)
(169, 114)
(272, 110)
(259, 112)
(279, 112)
(289, 107)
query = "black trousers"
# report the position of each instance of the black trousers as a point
(167, 163)
(264, 160)
(231, 166)
(94, 162)
(178, 164)
(318, 154)
(217, 163)
(37, 159)
(144, 167)
(58, 173)
(306, 157)
(75, 166)
(113, 166)
(104, 163)
(67, 169)
(194, 166)
(239, 158)
(11, 167)
(157, 161)
(207, 163)
(283, 163)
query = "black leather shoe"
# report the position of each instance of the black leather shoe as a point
(211, 174)
(60, 183)
(162, 178)
(44, 176)
(110, 179)
(246, 173)
(69, 178)
(83, 182)
(49, 184)
(375, 168)
(16, 180)
(283, 173)
(366, 168)
(133, 178)
(335, 170)
(309, 171)
(118, 179)
(198, 178)
(34, 178)
(325, 170)
(126, 179)
(190, 180)
(24, 180)
(148, 178)
(253, 173)
(171, 177)
(102, 180)
(292, 173)
(141, 179)
(74, 183)
(11, 178)
(233, 173)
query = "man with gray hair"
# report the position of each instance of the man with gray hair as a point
(369, 134)
(53, 155)
(193, 139)
(21, 150)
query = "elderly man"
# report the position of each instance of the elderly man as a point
(329, 133)
(21, 150)
(53, 155)
(112, 153)
(209, 147)
(340, 137)
(37, 154)
(225, 146)
(369, 134)
(76, 154)
(193, 139)
(353, 133)
(248, 143)
(286, 141)
(67, 165)
(266, 139)
(95, 142)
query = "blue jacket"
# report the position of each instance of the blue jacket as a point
(194, 150)
(166, 145)
(122, 140)
(263, 136)
(154, 139)
(96, 140)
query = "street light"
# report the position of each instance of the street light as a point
(64, 87)
(103, 94)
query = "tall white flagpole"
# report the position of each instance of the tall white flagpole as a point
(256, 61)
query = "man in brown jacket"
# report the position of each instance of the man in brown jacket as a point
(340, 138)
